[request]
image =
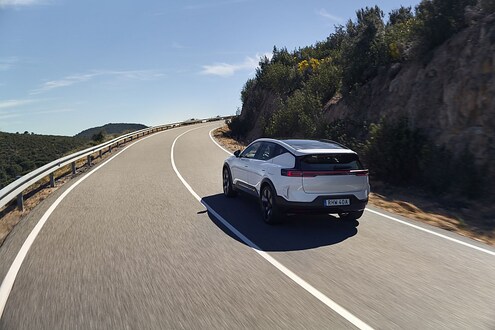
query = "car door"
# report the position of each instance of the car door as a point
(257, 166)
(239, 167)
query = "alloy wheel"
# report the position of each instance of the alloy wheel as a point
(267, 203)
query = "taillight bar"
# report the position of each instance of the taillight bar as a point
(311, 174)
(291, 173)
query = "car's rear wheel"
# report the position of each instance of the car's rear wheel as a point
(228, 188)
(269, 208)
(351, 216)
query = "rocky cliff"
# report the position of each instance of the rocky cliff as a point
(450, 96)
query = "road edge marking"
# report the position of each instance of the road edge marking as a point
(432, 232)
(218, 144)
(10, 277)
(287, 272)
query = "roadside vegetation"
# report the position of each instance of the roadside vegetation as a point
(21, 153)
(303, 82)
(292, 92)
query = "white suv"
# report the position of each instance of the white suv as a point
(298, 176)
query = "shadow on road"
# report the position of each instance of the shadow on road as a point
(299, 232)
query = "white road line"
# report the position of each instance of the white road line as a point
(305, 285)
(432, 232)
(218, 144)
(395, 219)
(8, 281)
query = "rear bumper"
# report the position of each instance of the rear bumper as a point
(317, 206)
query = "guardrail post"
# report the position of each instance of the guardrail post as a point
(101, 151)
(73, 165)
(110, 148)
(89, 160)
(52, 180)
(20, 202)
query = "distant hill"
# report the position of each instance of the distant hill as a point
(110, 129)
(22, 153)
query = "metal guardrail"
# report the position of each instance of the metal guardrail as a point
(16, 188)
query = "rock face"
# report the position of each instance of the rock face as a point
(451, 97)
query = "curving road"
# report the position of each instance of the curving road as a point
(131, 247)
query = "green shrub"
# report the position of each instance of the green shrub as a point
(398, 154)
(98, 137)
(238, 128)
(443, 172)
(22, 153)
(487, 6)
(281, 79)
(363, 49)
(393, 151)
(348, 132)
(325, 82)
(399, 34)
(438, 20)
(298, 116)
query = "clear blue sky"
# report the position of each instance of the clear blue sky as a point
(68, 65)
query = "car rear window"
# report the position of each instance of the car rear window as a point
(331, 162)
(312, 144)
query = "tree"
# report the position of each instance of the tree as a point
(98, 137)
(364, 49)
(438, 20)
(399, 34)
(401, 15)
(298, 116)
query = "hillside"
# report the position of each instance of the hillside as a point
(414, 95)
(22, 153)
(110, 129)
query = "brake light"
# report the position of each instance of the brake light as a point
(312, 174)
(292, 173)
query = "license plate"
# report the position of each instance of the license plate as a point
(337, 202)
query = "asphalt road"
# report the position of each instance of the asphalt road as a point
(131, 247)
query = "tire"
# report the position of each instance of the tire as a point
(228, 188)
(351, 216)
(269, 209)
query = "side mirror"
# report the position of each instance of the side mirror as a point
(237, 153)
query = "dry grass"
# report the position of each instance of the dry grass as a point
(222, 136)
(412, 205)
